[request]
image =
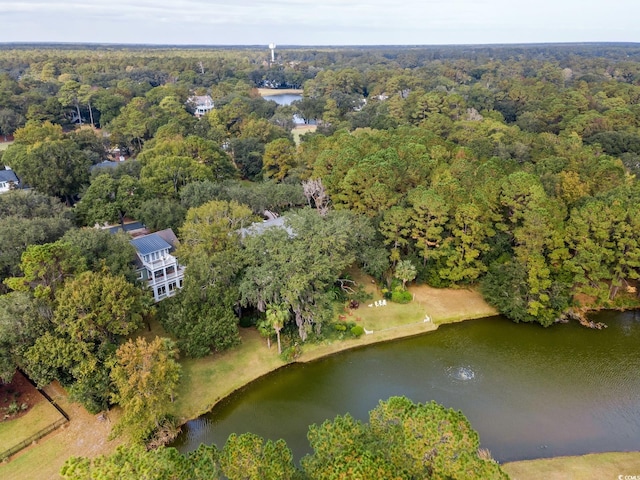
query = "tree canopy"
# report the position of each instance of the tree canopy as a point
(403, 440)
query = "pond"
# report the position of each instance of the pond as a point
(530, 392)
(283, 98)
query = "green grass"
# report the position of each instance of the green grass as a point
(298, 132)
(586, 467)
(205, 381)
(35, 463)
(392, 315)
(39, 417)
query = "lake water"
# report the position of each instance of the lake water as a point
(283, 98)
(288, 99)
(530, 392)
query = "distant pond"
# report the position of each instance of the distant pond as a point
(530, 392)
(288, 99)
(283, 98)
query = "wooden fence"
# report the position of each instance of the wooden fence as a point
(45, 431)
(36, 436)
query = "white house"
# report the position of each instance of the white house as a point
(8, 180)
(156, 264)
(202, 104)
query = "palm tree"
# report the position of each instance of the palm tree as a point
(266, 331)
(405, 271)
(277, 315)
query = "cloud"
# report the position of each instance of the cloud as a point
(318, 21)
(326, 13)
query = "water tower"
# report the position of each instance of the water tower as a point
(272, 47)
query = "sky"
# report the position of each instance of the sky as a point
(321, 22)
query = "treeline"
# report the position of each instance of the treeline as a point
(109, 78)
(538, 234)
(402, 440)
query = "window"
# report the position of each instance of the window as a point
(171, 270)
(172, 286)
(162, 290)
(146, 258)
(180, 283)
(158, 274)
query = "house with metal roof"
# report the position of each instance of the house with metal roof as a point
(259, 228)
(157, 266)
(8, 180)
(201, 104)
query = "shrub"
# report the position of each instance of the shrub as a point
(339, 327)
(401, 296)
(13, 408)
(291, 353)
(357, 331)
(247, 321)
(361, 295)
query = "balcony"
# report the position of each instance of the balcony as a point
(165, 261)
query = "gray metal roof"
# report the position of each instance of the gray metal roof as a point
(260, 227)
(104, 164)
(127, 227)
(149, 244)
(8, 176)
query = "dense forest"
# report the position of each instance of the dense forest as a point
(511, 168)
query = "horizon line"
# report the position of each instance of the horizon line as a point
(284, 45)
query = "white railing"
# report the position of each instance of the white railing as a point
(161, 262)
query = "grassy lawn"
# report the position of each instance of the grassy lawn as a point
(205, 381)
(41, 461)
(301, 130)
(279, 91)
(596, 466)
(83, 435)
(41, 415)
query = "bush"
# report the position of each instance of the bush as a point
(361, 295)
(13, 408)
(401, 296)
(291, 353)
(247, 321)
(357, 331)
(339, 327)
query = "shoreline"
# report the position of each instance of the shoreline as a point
(265, 92)
(313, 352)
(579, 467)
(208, 381)
(590, 466)
(442, 305)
